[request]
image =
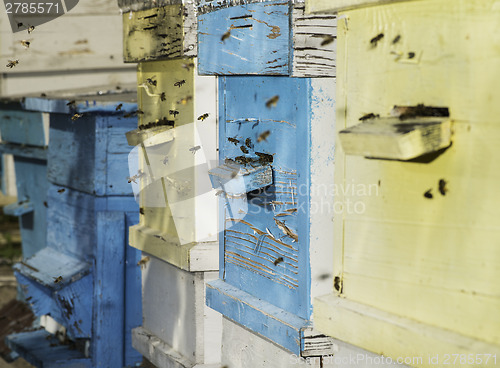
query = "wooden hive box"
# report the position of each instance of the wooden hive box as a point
(274, 225)
(264, 38)
(25, 135)
(87, 221)
(416, 269)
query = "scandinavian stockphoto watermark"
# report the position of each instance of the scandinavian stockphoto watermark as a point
(28, 14)
(171, 168)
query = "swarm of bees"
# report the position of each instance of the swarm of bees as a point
(179, 83)
(204, 116)
(12, 63)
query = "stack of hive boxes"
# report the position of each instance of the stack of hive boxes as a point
(416, 270)
(174, 146)
(86, 278)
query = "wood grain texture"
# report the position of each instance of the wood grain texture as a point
(427, 258)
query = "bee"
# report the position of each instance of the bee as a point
(327, 39)
(185, 100)
(25, 43)
(263, 136)
(428, 194)
(204, 116)
(244, 149)
(71, 103)
(369, 116)
(163, 97)
(58, 279)
(375, 39)
(272, 101)
(141, 211)
(174, 112)
(179, 83)
(143, 262)
(442, 187)
(324, 276)
(233, 140)
(118, 107)
(151, 81)
(139, 112)
(165, 160)
(337, 284)
(136, 112)
(194, 149)
(396, 39)
(62, 190)
(19, 25)
(45, 204)
(226, 35)
(411, 55)
(76, 116)
(187, 66)
(264, 158)
(248, 142)
(278, 261)
(12, 63)
(31, 29)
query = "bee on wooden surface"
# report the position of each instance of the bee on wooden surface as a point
(204, 116)
(396, 39)
(174, 112)
(71, 103)
(442, 187)
(411, 55)
(264, 158)
(226, 35)
(263, 136)
(278, 261)
(62, 190)
(376, 39)
(428, 194)
(143, 262)
(233, 140)
(12, 63)
(25, 43)
(185, 100)
(337, 284)
(58, 279)
(19, 25)
(194, 149)
(248, 143)
(163, 97)
(118, 107)
(244, 149)
(179, 83)
(141, 211)
(76, 116)
(369, 116)
(188, 66)
(272, 101)
(31, 29)
(151, 81)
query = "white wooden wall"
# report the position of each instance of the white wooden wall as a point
(79, 49)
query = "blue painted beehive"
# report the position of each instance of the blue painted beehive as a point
(87, 278)
(272, 229)
(25, 136)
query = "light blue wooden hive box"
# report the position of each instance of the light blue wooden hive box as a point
(86, 278)
(276, 68)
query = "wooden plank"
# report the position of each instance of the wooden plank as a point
(316, 6)
(108, 309)
(23, 127)
(397, 337)
(256, 40)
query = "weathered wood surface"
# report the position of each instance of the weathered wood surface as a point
(316, 6)
(24, 127)
(423, 247)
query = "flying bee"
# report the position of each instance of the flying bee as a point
(428, 194)
(141, 211)
(118, 107)
(46, 204)
(233, 140)
(71, 103)
(396, 39)
(185, 100)
(278, 261)
(151, 81)
(143, 262)
(327, 39)
(25, 43)
(19, 25)
(58, 279)
(194, 149)
(226, 35)
(163, 97)
(244, 149)
(442, 187)
(165, 160)
(76, 116)
(204, 116)
(272, 101)
(375, 39)
(263, 136)
(12, 63)
(187, 66)
(179, 83)
(174, 112)
(31, 29)
(139, 112)
(62, 190)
